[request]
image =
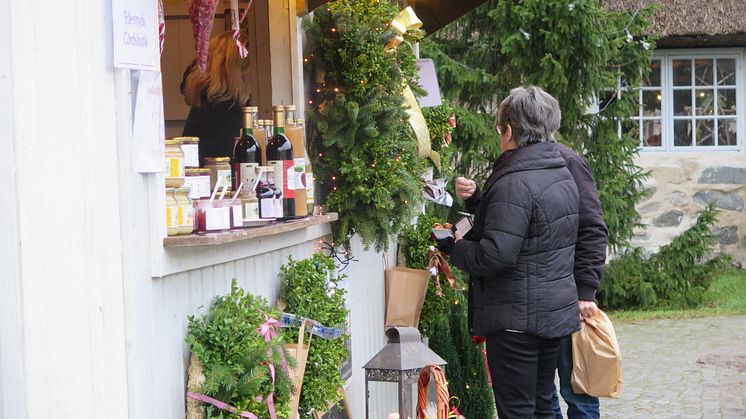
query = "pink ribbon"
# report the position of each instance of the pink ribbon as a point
(268, 331)
(235, 27)
(271, 396)
(224, 406)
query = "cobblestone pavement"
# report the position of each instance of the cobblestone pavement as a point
(694, 368)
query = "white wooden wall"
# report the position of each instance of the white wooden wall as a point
(62, 342)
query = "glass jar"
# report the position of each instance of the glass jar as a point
(174, 164)
(198, 182)
(220, 167)
(185, 211)
(172, 213)
(190, 148)
(250, 206)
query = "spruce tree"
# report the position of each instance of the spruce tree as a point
(577, 51)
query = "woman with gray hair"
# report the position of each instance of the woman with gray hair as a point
(520, 255)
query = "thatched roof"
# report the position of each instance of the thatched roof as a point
(694, 23)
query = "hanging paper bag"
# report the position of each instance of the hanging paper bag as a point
(597, 361)
(299, 352)
(405, 294)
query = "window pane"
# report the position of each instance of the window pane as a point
(651, 103)
(726, 101)
(682, 132)
(703, 72)
(682, 72)
(705, 132)
(654, 77)
(651, 133)
(726, 132)
(726, 71)
(682, 102)
(705, 102)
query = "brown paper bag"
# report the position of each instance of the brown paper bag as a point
(405, 294)
(299, 352)
(597, 361)
(195, 409)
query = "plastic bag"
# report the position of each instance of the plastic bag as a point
(597, 361)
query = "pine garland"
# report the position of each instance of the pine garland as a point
(364, 152)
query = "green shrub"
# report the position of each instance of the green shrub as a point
(677, 276)
(232, 352)
(306, 294)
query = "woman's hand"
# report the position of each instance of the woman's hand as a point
(465, 187)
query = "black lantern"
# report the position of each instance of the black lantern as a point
(400, 361)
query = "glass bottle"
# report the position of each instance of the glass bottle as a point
(297, 177)
(280, 157)
(309, 180)
(247, 153)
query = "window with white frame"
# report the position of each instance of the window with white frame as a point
(692, 102)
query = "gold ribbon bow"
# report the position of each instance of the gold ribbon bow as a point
(406, 21)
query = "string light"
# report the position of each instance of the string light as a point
(342, 257)
(334, 29)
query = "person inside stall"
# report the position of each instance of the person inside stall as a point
(216, 97)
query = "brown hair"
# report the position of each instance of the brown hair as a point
(223, 80)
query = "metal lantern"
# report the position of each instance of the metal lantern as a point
(400, 361)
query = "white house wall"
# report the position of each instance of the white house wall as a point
(61, 273)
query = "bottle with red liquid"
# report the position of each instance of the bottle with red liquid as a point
(280, 157)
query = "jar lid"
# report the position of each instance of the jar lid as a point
(193, 171)
(278, 108)
(209, 160)
(251, 109)
(204, 171)
(173, 141)
(299, 121)
(182, 190)
(289, 107)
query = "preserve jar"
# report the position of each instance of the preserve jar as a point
(172, 213)
(174, 164)
(190, 148)
(220, 167)
(250, 206)
(198, 182)
(185, 211)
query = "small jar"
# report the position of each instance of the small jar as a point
(174, 164)
(198, 182)
(185, 211)
(250, 206)
(220, 167)
(190, 148)
(172, 213)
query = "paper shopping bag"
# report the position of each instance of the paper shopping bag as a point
(299, 352)
(597, 361)
(405, 294)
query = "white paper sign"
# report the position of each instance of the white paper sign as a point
(148, 130)
(136, 34)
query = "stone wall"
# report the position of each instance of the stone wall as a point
(681, 184)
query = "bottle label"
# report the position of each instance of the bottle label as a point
(215, 219)
(191, 155)
(282, 168)
(296, 173)
(309, 188)
(267, 207)
(172, 217)
(181, 215)
(199, 186)
(246, 175)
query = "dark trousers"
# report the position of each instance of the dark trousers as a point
(522, 368)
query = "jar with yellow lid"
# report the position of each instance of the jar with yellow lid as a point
(185, 218)
(172, 213)
(174, 164)
(198, 182)
(190, 148)
(220, 167)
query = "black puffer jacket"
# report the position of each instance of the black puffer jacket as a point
(520, 252)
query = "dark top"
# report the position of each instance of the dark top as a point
(520, 252)
(590, 248)
(216, 125)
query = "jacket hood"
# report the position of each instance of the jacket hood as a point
(532, 157)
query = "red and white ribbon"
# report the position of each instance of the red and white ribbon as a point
(236, 29)
(161, 26)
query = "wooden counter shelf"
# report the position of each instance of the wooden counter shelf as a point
(213, 239)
